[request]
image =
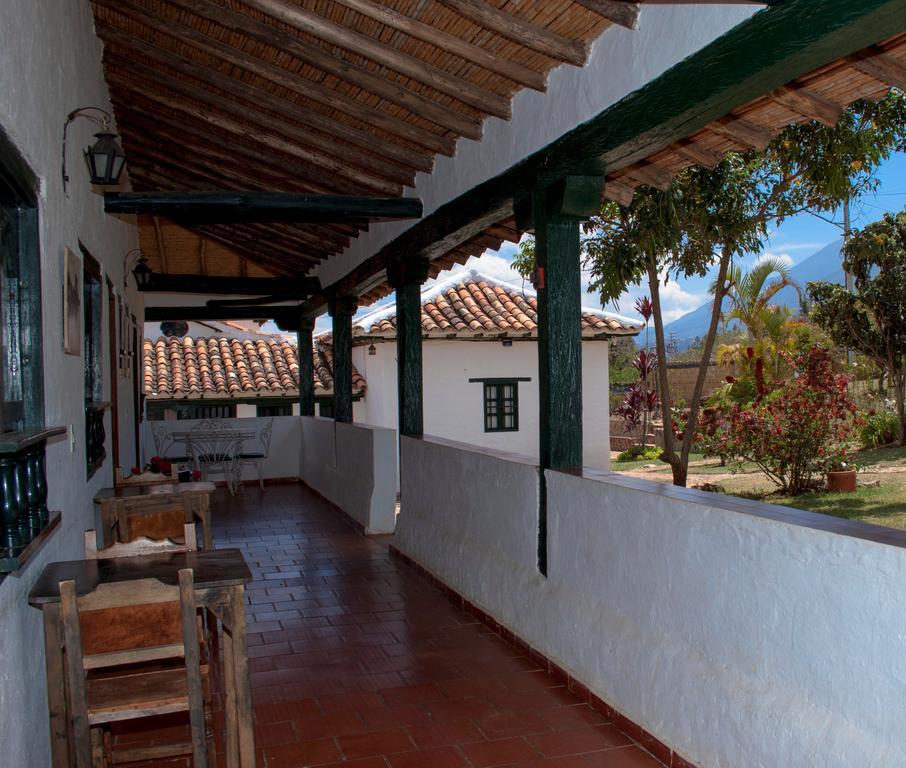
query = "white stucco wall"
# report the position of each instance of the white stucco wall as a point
(354, 467)
(454, 408)
(621, 61)
(282, 461)
(50, 64)
(738, 633)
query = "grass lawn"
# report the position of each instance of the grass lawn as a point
(883, 504)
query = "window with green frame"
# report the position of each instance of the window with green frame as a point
(501, 405)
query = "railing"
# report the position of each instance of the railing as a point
(736, 632)
(95, 436)
(23, 494)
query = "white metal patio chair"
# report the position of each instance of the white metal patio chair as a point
(259, 457)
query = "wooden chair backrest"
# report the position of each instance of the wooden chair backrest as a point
(140, 546)
(114, 605)
(155, 518)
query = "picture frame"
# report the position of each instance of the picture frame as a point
(72, 302)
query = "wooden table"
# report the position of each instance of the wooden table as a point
(196, 498)
(220, 579)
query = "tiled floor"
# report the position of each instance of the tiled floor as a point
(356, 660)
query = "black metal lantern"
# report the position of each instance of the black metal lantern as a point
(142, 273)
(105, 160)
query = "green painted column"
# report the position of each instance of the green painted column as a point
(341, 309)
(306, 366)
(407, 277)
(555, 212)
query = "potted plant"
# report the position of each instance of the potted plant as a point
(841, 477)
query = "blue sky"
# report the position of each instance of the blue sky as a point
(797, 239)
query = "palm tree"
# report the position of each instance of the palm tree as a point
(750, 293)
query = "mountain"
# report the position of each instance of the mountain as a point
(825, 264)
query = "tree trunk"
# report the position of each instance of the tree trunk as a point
(898, 380)
(669, 455)
(705, 362)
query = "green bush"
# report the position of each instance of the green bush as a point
(638, 453)
(880, 428)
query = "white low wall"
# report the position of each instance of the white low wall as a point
(282, 461)
(354, 467)
(738, 633)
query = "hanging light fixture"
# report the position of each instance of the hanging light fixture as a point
(372, 350)
(140, 269)
(105, 158)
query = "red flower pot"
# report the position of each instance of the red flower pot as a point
(841, 481)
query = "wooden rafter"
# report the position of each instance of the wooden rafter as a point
(276, 75)
(420, 71)
(626, 14)
(161, 246)
(521, 31)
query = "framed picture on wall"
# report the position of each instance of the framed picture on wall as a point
(72, 303)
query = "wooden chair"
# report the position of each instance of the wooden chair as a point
(109, 626)
(257, 458)
(150, 517)
(140, 546)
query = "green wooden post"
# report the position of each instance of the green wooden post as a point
(341, 309)
(306, 366)
(556, 210)
(407, 277)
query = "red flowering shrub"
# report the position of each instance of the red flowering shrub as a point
(800, 429)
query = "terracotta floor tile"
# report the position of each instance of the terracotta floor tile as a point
(485, 754)
(360, 662)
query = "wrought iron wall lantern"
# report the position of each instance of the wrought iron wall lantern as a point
(140, 271)
(372, 350)
(105, 158)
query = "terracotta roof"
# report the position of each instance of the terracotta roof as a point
(469, 304)
(218, 367)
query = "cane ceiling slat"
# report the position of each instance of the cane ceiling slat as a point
(316, 96)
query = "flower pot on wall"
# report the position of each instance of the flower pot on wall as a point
(841, 481)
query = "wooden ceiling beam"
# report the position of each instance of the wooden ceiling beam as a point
(696, 153)
(419, 70)
(881, 66)
(266, 252)
(252, 97)
(202, 262)
(650, 174)
(242, 154)
(368, 117)
(520, 31)
(469, 52)
(300, 287)
(260, 312)
(626, 14)
(746, 133)
(161, 245)
(166, 172)
(317, 149)
(371, 82)
(618, 192)
(255, 207)
(808, 104)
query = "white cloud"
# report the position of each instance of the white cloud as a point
(784, 257)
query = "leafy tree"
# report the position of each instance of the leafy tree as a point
(709, 216)
(873, 319)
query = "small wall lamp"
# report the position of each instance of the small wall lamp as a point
(140, 269)
(372, 350)
(105, 158)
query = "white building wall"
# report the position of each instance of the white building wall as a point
(454, 407)
(50, 64)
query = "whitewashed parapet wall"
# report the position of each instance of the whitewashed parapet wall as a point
(738, 633)
(354, 467)
(50, 64)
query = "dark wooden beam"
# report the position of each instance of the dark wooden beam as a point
(520, 31)
(166, 314)
(295, 288)
(251, 98)
(406, 279)
(358, 76)
(341, 309)
(369, 117)
(419, 70)
(305, 353)
(266, 207)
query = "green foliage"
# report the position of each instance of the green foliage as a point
(640, 453)
(873, 319)
(880, 428)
